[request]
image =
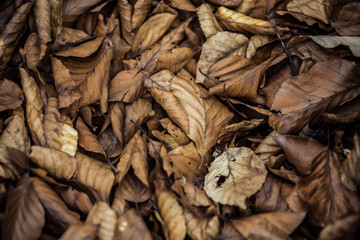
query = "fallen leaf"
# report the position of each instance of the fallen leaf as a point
(133, 190)
(11, 95)
(141, 9)
(87, 139)
(175, 59)
(208, 22)
(198, 229)
(72, 10)
(333, 41)
(83, 231)
(42, 19)
(234, 176)
(352, 163)
(103, 216)
(347, 22)
(268, 147)
(76, 200)
(345, 228)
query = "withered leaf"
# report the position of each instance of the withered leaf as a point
(73, 9)
(42, 19)
(175, 59)
(347, 22)
(352, 163)
(75, 199)
(11, 95)
(208, 22)
(333, 41)
(345, 228)
(198, 229)
(141, 9)
(234, 176)
(83, 231)
(133, 190)
(25, 214)
(101, 214)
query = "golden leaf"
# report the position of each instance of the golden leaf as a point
(59, 135)
(34, 108)
(234, 176)
(175, 59)
(59, 164)
(151, 31)
(101, 214)
(178, 135)
(208, 22)
(218, 46)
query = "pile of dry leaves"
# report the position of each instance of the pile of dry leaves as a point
(179, 119)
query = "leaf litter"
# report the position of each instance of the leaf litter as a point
(174, 119)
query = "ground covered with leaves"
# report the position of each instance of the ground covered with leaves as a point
(179, 119)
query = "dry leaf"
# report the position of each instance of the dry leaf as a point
(151, 31)
(95, 174)
(347, 22)
(42, 18)
(268, 147)
(87, 139)
(83, 231)
(234, 176)
(208, 22)
(82, 50)
(133, 190)
(217, 47)
(175, 59)
(101, 214)
(346, 228)
(34, 108)
(199, 229)
(131, 226)
(352, 163)
(141, 9)
(333, 41)
(324, 87)
(25, 214)
(73, 9)
(172, 215)
(59, 135)
(76, 200)
(236, 21)
(59, 164)
(11, 95)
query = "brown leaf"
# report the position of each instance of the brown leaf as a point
(119, 204)
(64, 84)
(76, 200)
(346, 113)
(347, 22)
(15, 135)
(131, 226)
(151, 31)
(234, 176)
(126, 11)
(268, 147)
(175, 59)
(172, 215)
(101, 214)
(73, 9)
(275, 225)
(345, 228)
(25, 214)
(352, 163)
(194, 195)
(208, 22)
(178, 135)
(42, 19)
(34, 108)
(82, 50)
(133, 190)
(141, 9)
(11, 163)
(236, 21)
(95, 174)
(54, 206)
(56, 17)
(351, 42)
(117, 112)
(59, 134)
(83, 231)
(87, 139)
(216, 47)
(11, 95)
(324, 87)
(59, 164)
(201, 228)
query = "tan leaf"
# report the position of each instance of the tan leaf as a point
(59, 164)
(117, 112)
(11, 163)
(31, 51)
(324, 87)
(172, 215)
(126, 11)
(234, 176)
(257, 41)
(56, 17)
(347, 22)
(194, 195)
(95, 174)
(24, 213)
(15, 135)
(228, 3)
(72, 10)
(64, 84)
(131, 226)
(235, 21)
(268, 147)
(344, 228)
(54, 205)
(133, 190)
(12, 33)
(201, 228)
(59, 135)
(183, 5)
(275, 225)
(83, 231)
(151, 31)
(208, 22)
(175, 59)
(87, 139)
(333, 41)
(76, 200)
(141, 9)
(217, 47)
(71, 35)
(174, 131)
(318, 9)
(11, 95)
(82, 50)
(119, 204)
(42, 20)
(101, 214)
(34, 108)
(166, 139)
(352, 163)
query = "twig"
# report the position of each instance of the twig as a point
(293, 72)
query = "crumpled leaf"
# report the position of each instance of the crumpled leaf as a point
(175, 59)
(268, 147)
(73, 9)
(34, 108)
(234, 176)
(172, 215)
(101, 214)
(95, 174)
(25, 214)
(216, 47)
(54, 206)
(227, 3)
(151, 31)
(76, 200)
(208, 22)
(352, 163)
(347, 22)
(325, 86)
(201, 119)
(133, 190)
(58, 133)
(59, 164)
(82, 231)
(11, 162)
(42, 19)
(345, 228)
(276, 225)
(333, 41)
(131, 226)
(198, 229)
(141, 9)
(11, 95)
(236, 21)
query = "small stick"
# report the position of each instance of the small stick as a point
(293, 73)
